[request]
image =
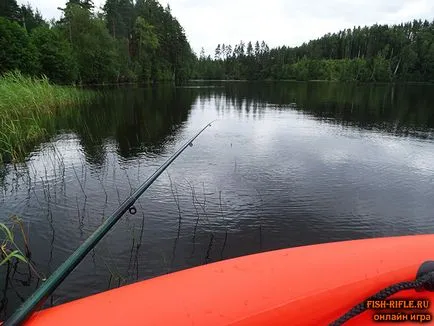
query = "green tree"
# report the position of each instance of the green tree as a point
(381, 69)
(202, 54)
(55, 55)
(85, 4)
(30, 19)
(130, 38)
(173, 59)
(148, 43)
(217, 52)
(249, 49)
(17, 51)
(93, 47)
(119, 16)
(376, 53)
(257, 49)
(10, 9)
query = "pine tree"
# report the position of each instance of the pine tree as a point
(257, 49)
(228, 51)
(241, 48)
(217, 52)
(249, 49)
(29, 19)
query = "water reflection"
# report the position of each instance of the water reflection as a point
(138, 120)
(144, 120)
(399, 109)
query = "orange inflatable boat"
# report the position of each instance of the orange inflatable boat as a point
(310, 285)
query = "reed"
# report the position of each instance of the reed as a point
(9, 249)
(176, 199)
(226, 225)
(28, 107)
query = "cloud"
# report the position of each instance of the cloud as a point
(278, 22)
(286, 22)
(48, 8)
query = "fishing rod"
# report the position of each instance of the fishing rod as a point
(46, 289)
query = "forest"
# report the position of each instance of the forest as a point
(379, 53)
(140, 41)
(127, 42)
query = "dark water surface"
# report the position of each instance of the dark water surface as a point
(286, 164)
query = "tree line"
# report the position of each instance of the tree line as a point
(128, 41)
(140, 41)
(403, 52)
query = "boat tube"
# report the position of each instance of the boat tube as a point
(307, 285)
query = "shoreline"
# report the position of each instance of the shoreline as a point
(28, 107)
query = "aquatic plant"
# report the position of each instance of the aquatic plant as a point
(9, 250)
(28, 106)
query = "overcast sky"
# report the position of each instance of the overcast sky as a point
(278, 22)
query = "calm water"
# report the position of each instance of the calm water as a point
(285, 164)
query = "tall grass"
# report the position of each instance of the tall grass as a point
(27, 105)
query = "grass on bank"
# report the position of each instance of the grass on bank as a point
(27, 105)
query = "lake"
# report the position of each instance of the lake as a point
(285, 164)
